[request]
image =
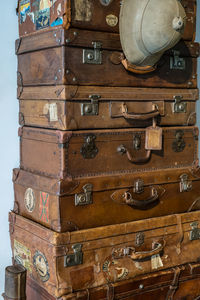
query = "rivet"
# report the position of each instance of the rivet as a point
(75, 33)
(74, 79)
(194, 76)
(56, 78)
(190, 83)
(191, 45)
(141, 286)
(67, 71)
(55, 34)
(67, 40)
(59, 41)
(59, 70)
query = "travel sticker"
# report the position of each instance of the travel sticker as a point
(41, 265)
(42, 20)
(24, 9)
(59, 19)
(29, 200)
(114, 270)
(22, 255)
(44, 207)
(112, 20)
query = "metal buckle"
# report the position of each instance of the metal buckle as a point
(86, 197)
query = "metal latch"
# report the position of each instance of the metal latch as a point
(177, 62)
(74, 259)
(185, 185)
(138, 186)
(93, 56)
(92, 108)
(86, 197)
(89, 149)
(195, 232)
(179, 106)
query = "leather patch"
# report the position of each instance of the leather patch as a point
(82, 278)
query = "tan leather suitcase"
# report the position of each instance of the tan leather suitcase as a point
(102, 15)
(63, 263)
(172, 284)
(95, 58)
(79, 154)
(79, 107)
(63, 205)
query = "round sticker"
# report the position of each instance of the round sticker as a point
(105, 2)
(112, 20)
(41, 265)
(29, 200)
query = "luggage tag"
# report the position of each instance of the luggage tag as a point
(156, 262)
(153, 139)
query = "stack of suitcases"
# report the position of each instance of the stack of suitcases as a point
(107, 194)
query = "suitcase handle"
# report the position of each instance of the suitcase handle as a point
(142, 203)
(122, 150)
(140, 255)
(139, 116)
(137, 69)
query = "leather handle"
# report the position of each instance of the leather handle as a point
(122, 149)
(137, 69)
(154, 195)
(140, 255)
(139, 116)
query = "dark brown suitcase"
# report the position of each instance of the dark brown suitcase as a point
(88, 58)
(92, 202)
(63, 263)
(78, 154)
(79, 107)
(102, 15)
(177, 283)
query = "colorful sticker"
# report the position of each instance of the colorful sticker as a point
(112, 20)
(44, 207)
(24, 9)
(114, 270)
(29, 200)
(22, 255)
(59, 19)
(41, 265)
(43, 19)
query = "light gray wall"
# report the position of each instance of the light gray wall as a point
(9, 144)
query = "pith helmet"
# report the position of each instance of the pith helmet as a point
(150, 27)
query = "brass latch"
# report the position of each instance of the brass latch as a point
(185, 184)
(138, 186)
(89, 149)
(177, 62)
(86, 197)
(74, 259)
(195, 232)
(91, 108)
(93, 56)
(179, 106)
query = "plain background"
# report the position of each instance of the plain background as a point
(9, 143)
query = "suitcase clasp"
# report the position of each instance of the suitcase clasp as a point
(177, 62)
(91, 108)
(89, 149)
(93, 56)
(195, 232)
(185, 184)
(74, 259)
(179, 106)
(86, 197)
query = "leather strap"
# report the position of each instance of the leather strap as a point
(110, 292)
(180, 234)
(175, 282)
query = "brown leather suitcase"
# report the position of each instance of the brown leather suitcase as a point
(63, 263)
(93, 202)
(102, 15)
(177, 283)
(95, 58)
(78, 154)
(79, 107)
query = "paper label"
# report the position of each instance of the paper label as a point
(41, 265)
(153, 140)
(29, 200)
(53, 112)
(22, 255)
(44, 207)
(156, 262)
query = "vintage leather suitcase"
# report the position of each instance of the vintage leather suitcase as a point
(63, 263)
(79, 107)
(78, 154)
(102, 15)
(88, 58)
(177, 283)
(66, 205)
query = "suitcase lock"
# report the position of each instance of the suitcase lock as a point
(86, 197)
(179, 106)
(93, 56)
(195, 232)
(91, 108)
(74, 259)
(177, 62)
(185, 185)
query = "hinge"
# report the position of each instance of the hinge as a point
(185, 185)
(75, 258)
(177, 62)
(92, 108)
(86, 197)
(195, 232)
(93, 56)
(179, 106)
